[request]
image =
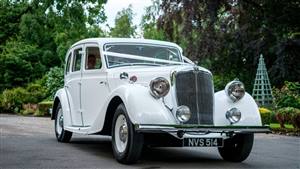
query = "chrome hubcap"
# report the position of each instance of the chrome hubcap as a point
(121, 133)
(59, 122)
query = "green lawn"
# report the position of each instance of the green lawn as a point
(276, 125)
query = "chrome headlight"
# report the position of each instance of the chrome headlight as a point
(183, 113)
(235, 90)
(159, 87)
(233, 115)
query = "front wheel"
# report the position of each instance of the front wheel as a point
(126, 143)
(237, 148)
(61, 134)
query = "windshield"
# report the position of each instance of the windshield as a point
(140, 54)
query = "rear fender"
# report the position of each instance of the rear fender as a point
(62, 98)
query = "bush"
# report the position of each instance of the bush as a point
(12, 99)
(43, 108)
(288, 95)
(287, 100)
(29, 109)
(16, 99)
(54, 81)
(36, 93)
(1, 103)
(296, 119)
(264, 110)
(27, 112)
(265, 115)
(289, 115)
(221, 81)
(273, 117)
(40, 109)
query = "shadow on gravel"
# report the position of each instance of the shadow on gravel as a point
(101, 147)
(179, 157)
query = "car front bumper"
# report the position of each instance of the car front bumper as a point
(180, 130)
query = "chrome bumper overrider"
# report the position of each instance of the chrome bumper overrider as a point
(150, 128)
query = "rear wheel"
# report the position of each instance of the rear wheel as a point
(237, 148)
(61, 134)
(126, 143)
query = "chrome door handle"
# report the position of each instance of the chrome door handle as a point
(67, 86)
(102, 83)
(124, 75)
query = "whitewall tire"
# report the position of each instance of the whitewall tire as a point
(126, 143)
(61, 134)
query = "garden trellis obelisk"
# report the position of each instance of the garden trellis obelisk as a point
(262, 91)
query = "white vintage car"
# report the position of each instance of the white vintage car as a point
(146, 93)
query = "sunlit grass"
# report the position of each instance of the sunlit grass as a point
(276, 125)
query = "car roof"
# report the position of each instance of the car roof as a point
(102, 41)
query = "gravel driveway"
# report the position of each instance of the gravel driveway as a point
(29, 142)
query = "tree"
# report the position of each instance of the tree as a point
(20, 64)
(124, 27)
(192, 25)
(54, 80)
(10, 16)
(35, 35)
(236, 32)
(149, 22)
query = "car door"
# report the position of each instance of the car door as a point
(94, 85)
(73, 86)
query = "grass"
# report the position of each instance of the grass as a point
(288, 130)
(276, 125)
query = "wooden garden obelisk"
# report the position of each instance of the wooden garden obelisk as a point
(262, 91)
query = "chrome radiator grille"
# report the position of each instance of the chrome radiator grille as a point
(195, 90)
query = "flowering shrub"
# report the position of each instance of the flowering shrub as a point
(288, 95)
(265, 115)
(288, 115)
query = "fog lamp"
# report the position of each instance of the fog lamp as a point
(233, 115)
(183, 113)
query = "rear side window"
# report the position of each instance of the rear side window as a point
(77, 60)
(68, 64)
(93, 60)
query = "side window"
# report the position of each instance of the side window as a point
(77, 60)
(68, 64)
(93, 59)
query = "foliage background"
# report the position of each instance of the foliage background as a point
(225, 36)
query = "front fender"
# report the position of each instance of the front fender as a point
(141, 107)
(62, 97)
(247, 106)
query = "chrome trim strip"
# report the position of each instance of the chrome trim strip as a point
(148, 128)
(197, 96)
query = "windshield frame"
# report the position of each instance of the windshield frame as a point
(145, 44)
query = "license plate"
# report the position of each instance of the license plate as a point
(203, 142)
